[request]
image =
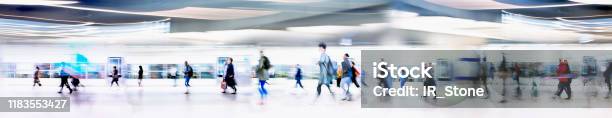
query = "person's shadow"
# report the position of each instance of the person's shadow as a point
(231, 97)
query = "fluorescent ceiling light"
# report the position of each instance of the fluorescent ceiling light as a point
(488, 4)
(400, 14)
(604, 2)
(513, 32)
(246, 35)
(211, 13)
(36, 2)
(329, 29)
(289, 1)
(189, 12)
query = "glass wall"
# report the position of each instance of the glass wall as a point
(151, 71)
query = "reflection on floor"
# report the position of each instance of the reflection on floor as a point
(158, 99)
(531, 93)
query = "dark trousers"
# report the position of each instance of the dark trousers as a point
(429, 82)
(609, 86)
(298, 82)
(486, 86)
(37, 81)
(321, 85)
(231, 82)
(233, 87)
(564, 86)
(64, 82)
(75, 83)
(354, 79)
(116, 81)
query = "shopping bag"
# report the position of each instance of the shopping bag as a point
(223, 85)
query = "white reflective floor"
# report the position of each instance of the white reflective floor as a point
(158, 99)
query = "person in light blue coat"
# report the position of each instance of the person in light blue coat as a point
(325, 76)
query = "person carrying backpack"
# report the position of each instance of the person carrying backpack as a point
(262, 74)
(64, 80)
(347, 74)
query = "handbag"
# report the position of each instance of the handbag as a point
(223, 84)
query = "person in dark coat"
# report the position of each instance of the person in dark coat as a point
(298, 76)
(430, 82)
(115, 76)
(75, 83)
(229, 76)
(355, 73)
(140, 72)
(64, 81)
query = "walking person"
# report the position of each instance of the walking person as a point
(339, 77)
(64, 80)
(517, 73)
(484, 72)
(140, 72)
(229, 76)
(115, 75)
(262, 75)
(325, 70)
(347, 74)
(607, 75)
(37, 77)
(503, 75)
(298, 77)
(383, 81)
(360, 76)
(402, 80)
(173, 74)
(355, 74)
(75, 83)
(188, 74)
(565, 81)
(491, 72)
(516, 77)
(430, 82)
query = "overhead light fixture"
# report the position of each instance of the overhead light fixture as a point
(604, 2)
(289, 1)
(36, 2)
(346, 41)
